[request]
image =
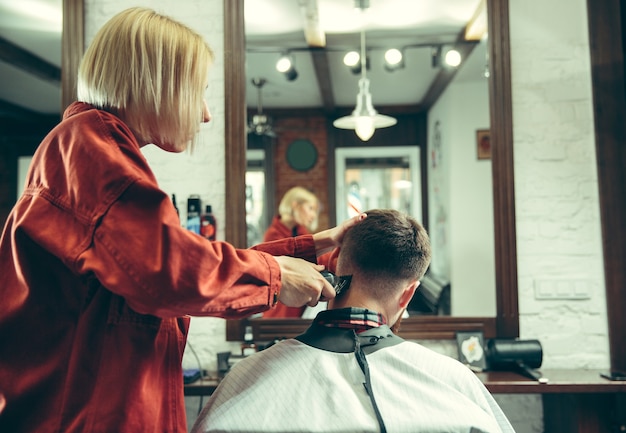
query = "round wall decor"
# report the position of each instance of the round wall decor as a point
(301, 155)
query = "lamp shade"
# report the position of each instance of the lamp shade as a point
(364, 119)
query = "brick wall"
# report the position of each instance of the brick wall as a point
(316, 179)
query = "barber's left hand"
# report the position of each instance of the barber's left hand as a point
(329, 239)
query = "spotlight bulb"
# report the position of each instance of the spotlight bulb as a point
(283, 64)
(351, 59)
(453, 58)
(393, 56)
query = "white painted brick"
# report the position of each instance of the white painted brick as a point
(201, 172)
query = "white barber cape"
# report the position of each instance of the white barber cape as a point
(293, 387)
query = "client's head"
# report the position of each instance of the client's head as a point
(386, 254)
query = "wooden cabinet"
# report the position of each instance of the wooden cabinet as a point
(574, 401)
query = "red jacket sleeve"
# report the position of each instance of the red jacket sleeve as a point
(141, 253)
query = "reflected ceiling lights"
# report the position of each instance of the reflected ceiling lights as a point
(352, 60)
(451, 58)
(286, 65)
(260, 124)
(393, 59)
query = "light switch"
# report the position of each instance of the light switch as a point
(547, 288)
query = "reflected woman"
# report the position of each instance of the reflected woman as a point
(297, 215)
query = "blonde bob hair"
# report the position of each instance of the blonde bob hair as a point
(151, 71)
(297, 196)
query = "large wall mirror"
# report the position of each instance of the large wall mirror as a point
(505, 322)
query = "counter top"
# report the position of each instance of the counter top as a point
(559, 381)
(498, 382)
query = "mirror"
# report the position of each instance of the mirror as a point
(505, 323)
(283, 113)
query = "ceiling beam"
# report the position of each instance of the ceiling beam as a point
(316, 40)
(9, 110)
(29, 62)
(313, 32)
(476, 28)
(324, 82)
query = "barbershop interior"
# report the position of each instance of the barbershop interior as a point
(499, 125)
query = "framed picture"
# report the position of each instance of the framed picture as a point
(471, 347)
(483, 144)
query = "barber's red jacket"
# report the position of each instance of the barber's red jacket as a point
(97, 279)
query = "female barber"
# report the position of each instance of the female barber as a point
(97, 278)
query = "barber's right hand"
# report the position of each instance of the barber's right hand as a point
(302, 283)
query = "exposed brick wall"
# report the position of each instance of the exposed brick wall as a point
(315, 179)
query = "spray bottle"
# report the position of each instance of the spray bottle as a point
(208, 224)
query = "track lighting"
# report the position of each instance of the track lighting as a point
(352, 60)
(435, 57)
(393, 59)
(451, 58)
(286, 65)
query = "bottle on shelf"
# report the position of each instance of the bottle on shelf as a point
(248, 347)
(208, 224)
(193, 213)
(175, 205)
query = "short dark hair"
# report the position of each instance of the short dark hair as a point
(388, 244)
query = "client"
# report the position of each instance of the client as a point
(349, 372)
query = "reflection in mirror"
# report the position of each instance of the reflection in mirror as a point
(457, 184)
(505, 322)
(460, 194)
(377, 178)
(257, 211)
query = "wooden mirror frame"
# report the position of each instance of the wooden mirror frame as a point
(506, 322)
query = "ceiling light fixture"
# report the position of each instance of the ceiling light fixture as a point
(364, 119)
(393, 59)
(451, 58)
(352, 60)
(260, 124)
(435, 54)
(286, 65)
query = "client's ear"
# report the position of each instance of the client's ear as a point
(407, 293)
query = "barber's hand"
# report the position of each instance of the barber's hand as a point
(302, 283)
(329, 239)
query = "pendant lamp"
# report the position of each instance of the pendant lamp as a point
(364, 119)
